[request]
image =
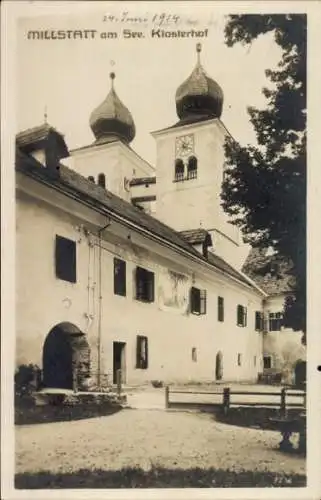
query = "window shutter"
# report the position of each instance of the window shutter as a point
(138, 351)
(151, 286)
(244, 316)
(202, 301)
(239, 315)
(146, 353)
(220, 309)
(139, 283)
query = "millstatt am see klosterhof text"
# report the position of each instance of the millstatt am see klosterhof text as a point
(89, 34)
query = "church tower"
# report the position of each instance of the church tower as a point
(110, 161)
(190, 165)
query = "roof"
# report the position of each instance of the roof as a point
(100, 199)
(33, 134)
(138, 181)
(188, 121)
(29, 139)
(194, 236)
(272, 273)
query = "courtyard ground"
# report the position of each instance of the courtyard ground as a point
(149, 438)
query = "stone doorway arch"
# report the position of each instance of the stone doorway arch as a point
(219, 366)
(66, 357)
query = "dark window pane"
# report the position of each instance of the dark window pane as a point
(198, 301)
(145, 284)
(195, 300)
(220, 309)
(65, 257)
(267, 362)
(275, 321)
(241, 315)
(119, 277)
(142, 352)
(179, 170)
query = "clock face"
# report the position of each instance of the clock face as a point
(184, 145)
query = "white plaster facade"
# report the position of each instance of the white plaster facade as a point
(171, 330)
(116, 160)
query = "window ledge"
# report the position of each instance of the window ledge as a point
(145, 301)
(186, 178)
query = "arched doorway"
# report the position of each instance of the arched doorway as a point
(219, 366)
(66, 357)
(300, 373)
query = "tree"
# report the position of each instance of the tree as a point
(265, 185)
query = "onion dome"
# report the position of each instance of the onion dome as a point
(112, 120)
(199, 96)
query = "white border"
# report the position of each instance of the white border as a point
(11, 10)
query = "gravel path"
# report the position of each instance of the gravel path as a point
(145, 437)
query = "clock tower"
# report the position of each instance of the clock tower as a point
(190, 165)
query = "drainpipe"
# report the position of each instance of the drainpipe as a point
(100, 299)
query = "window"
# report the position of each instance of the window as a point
(91, 179)
(220, 309)
(65, 259)
(198, 301)
(144, 285)
(275, 321)
(254, 360)
(179, 170)
(192, 167)
(258, 321)
(194, 354)
(119, 277)
(141, 352)
(241, 316)
(102, 180)
(239, 359)
(267, 362)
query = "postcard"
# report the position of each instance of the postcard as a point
(161, 249)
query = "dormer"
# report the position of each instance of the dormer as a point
(45, 144)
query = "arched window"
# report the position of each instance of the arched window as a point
(102, 180)
(192, 167)
(179, 170)
(91, 179)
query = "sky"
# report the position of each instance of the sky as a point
(67, 79)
